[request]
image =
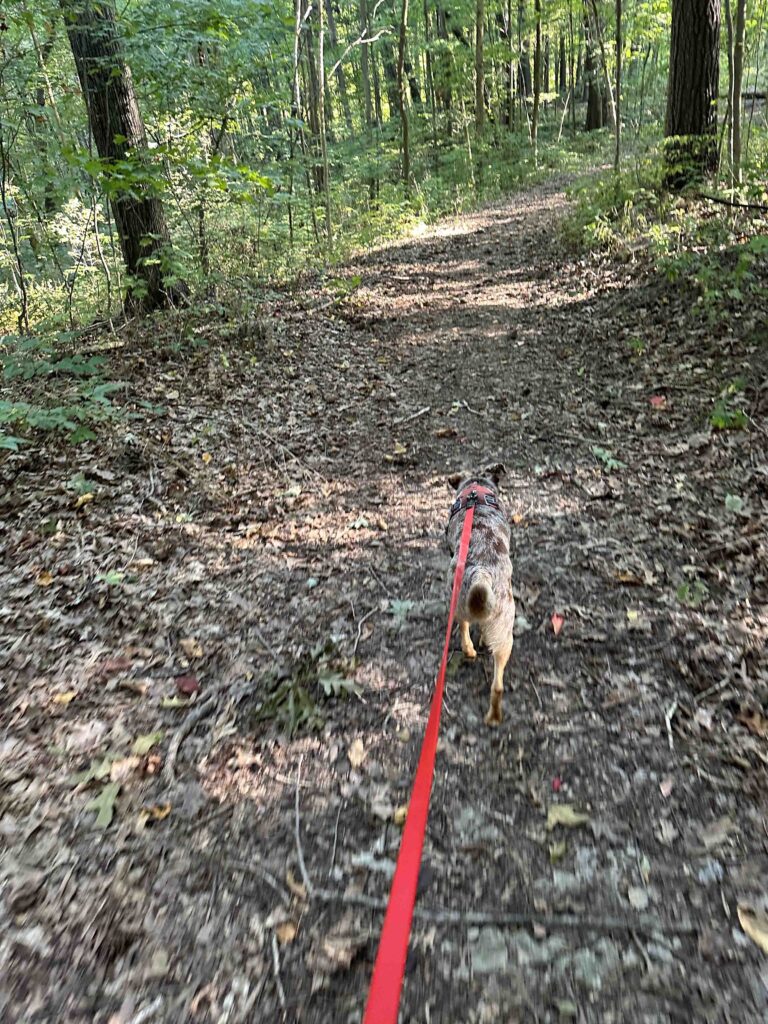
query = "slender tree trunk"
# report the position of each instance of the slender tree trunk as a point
(321, 113)
(604, 56)
(691, 119)
(594, 95)
(738, 72)
(479, 66)
(341, 80)
(118, 132)
(401, 95)
(536, 83)
(562, 83)
(617, 157)
(729, 106)
(571, 65)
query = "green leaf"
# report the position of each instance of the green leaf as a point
(564, 814)
(143, 744)
(104, 804)
(734, 503)
(336, 685)
(400, 610)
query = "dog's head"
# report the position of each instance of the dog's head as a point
(488, 477)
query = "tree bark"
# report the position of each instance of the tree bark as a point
(738, 72)
(691, 118)
(594, 94)
(479, 68)
(401, 96)
(536, 82)
(617, 157)
(118, 132)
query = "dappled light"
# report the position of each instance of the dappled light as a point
(232, 431)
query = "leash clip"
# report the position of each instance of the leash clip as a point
(471, 499)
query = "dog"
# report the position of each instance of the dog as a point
(486, 591)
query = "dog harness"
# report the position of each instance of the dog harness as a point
(473, 494)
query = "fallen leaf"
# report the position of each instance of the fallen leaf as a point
(638, 897)
(564, 814)
(286, 932)
(123, 768)
(187, 685)
(557, 851)
(446, 432)
(174, 702)
(755, 924)
(557, 621)
(143, 744)
(658, 401)
(716, 833)
(64, 698)
(207, 457)
(84, 499)
(154, 812)
(191, 647)
(666, 786)
(356, 753)
(44, 579)
(755, 722)
(298, 889)
(104, 804)
(335, 951)
(567, 1009)
(401, 813)
(557, 784)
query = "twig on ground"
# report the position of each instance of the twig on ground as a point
(297, 823)
(148, 1012)
(669, 714)
(381, 583)
(413, 416)
(335, 839)
(278, 982)
(252, 867)
(731, 202)
(194, 716)
(641, 924)
(360, 629)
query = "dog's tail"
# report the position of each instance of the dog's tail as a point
(480, 598)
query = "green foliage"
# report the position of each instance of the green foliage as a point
(727, 413)
(607, 458)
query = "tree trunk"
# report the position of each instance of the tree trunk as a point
(401, 82)
(738, 72)
(341, 80)
(617, 158)
(118, 132)
(562, 83)
(536, 83)
(594, 94)
(691, 119)
(479, 78)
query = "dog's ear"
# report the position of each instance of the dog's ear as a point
(455, 479)
(495, 472)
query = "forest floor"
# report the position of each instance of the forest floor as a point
(176, 598)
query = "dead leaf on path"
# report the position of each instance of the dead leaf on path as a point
(122, 769)
(335, 951)
(44, 579)
(356, 753)
(286, 932)
(564, 814)
(755, 924)
(658, 401)
(191, 647)
(187, 685)
(85, 499)
(447, 432)
(755, 722)
(557, 621)
(296, 887)
(401, 813)
(717, 832)
(64, 698)
(207, 457)
(112, 665)
(666, 786)
(153, 812)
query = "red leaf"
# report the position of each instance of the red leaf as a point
(557, 622)
(187, 685)
(658, 401)
(111, 665)
(557, 783)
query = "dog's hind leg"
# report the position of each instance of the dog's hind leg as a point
(500, 659)
(466, 640)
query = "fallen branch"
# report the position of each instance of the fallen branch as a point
(413, 416)
(197, 714)
(360, 625)
(641, 924)
(297, 830)
(278, 982)
(732, 202)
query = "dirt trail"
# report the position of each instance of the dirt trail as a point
(282, 526)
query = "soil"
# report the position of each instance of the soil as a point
(226, 615)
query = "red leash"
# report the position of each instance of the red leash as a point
(387, 981)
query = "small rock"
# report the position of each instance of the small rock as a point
(489, 952)
(710, 871)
